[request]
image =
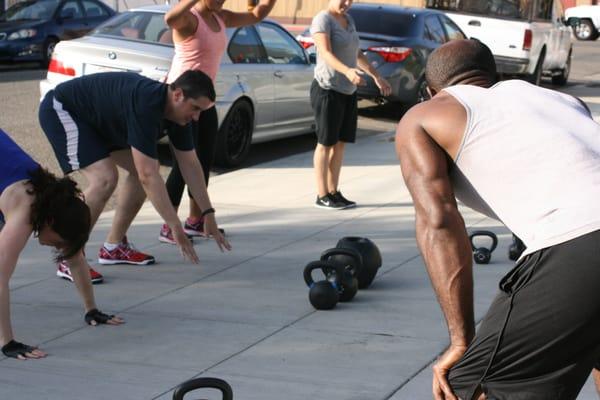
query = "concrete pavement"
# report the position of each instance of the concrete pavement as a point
(244, 316)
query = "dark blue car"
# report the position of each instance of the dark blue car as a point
(397, 41)
(30, 29)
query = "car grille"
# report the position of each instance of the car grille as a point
(2, 35)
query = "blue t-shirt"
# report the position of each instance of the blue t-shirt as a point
(15, 164)
(124, 108)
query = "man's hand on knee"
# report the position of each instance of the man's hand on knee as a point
(441, 386)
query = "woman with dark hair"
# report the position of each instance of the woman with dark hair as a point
(32, 200)
(200, 40)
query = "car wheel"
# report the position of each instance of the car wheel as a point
(235, 135)
(585, 30)
(562, 78)
(536, 77)
(48, 49)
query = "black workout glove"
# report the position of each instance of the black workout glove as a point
(98, 316)
(15, 349)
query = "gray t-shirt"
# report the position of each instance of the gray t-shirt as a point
(344, 45)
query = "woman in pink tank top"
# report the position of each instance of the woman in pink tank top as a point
(200, 40)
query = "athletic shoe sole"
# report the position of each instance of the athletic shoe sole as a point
(166, 240)
(193, 233)
(328, 207)
(67, 277)
(105, 261)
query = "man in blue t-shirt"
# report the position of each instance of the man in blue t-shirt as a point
(98, 122)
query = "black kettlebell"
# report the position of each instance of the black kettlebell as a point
(370, 256)
(351, 261)
(516, 248)
(483, 255)
(325, 294)
(198, 383)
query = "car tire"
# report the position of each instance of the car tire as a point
(47, 50)
(562, 78)
(235, 135)
(536, 77)
(585, 30)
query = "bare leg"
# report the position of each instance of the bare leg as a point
(321, 164)
(335, 166)
(195, 211)
(596, 375)
(131, 197)
(102, 178)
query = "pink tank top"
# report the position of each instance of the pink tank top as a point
(201, 51)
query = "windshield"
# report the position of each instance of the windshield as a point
(32, 10)
(137, 25)
(383, 23)
(518, 9)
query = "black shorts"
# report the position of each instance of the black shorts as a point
(75, 143)
(540, 338)
(336, 115)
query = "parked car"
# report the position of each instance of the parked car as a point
(529, 38)
(30, 29)
(262, 87)
(397, 42)
(587, 27)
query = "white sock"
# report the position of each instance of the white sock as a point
(111, 246)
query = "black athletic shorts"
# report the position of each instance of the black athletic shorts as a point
(336, 115)
(75, 143)
(540, 338)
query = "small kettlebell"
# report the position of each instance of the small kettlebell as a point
(516, 248)
(198, 383)
(325, 294)
(370, 256)
(351, 261)
(483, 255)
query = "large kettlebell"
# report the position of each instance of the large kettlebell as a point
(483, 255)
(516, 248)
(198, 383)
(370, 255)
(325, 294)
(351, 261)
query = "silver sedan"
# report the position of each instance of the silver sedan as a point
(262, 87)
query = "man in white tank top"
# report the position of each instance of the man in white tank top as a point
(529, 157)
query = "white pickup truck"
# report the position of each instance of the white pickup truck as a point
(529, 38)
(588, 18)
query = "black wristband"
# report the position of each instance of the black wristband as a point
(207, 211)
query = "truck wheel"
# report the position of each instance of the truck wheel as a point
(585, 30)
(562, 78)
(536, 77)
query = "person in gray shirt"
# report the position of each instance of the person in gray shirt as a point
(341, 66)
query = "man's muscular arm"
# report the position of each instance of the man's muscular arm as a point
(441, 236)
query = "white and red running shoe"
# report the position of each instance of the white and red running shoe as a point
(124, 253)
(64, 272)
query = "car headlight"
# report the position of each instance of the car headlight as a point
(22, 34)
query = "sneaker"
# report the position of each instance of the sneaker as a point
(339, 197)
(125, 253)
(328, 202)
(197, 229)
(166, 235)
(64, 272)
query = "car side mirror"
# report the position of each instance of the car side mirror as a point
(312, 57)
(573, 21)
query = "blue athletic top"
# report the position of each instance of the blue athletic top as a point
(15, 164)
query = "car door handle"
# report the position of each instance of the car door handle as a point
(474, 22)
(278, 74)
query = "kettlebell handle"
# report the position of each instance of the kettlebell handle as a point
(197, 383)
(489, 234)
(324, 266)
(338, 251)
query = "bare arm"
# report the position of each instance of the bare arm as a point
(180, 19)
(382, 84)
(258, 13)
(192, 173)
(154, 186)
(442, 239)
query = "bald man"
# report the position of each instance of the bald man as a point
(529, 157)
